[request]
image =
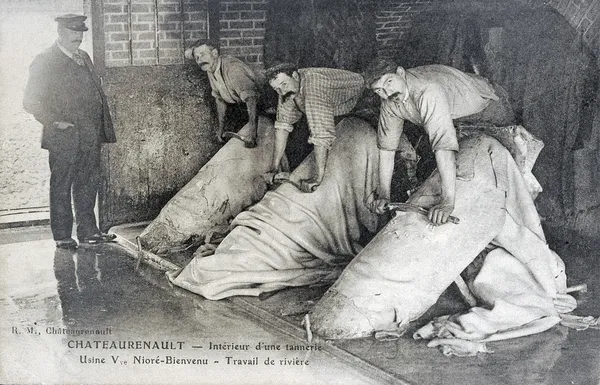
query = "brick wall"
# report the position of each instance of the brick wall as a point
(131, 36)
(394, 19)
(151, 32)
(242, 30)
(134, 41)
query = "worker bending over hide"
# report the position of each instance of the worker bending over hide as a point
(521, 286)
(292, 239)
(232, 82)
(430, 96)
(321, 94)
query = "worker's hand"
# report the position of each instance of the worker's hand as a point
(377, 202)
(379, 205)
(269, 177)
(63, 125)
(309, 185)
(250, 138)
(281, 177)
(438, 214)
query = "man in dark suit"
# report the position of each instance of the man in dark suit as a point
(65, 95)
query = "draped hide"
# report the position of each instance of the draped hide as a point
(292, 238)
(227, 184)
(402, 272)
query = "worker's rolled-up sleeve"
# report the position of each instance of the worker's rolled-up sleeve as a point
(287, 115)
(320, 115)
(434, 107)
(389, 129)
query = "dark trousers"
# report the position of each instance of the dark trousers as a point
(77, 171)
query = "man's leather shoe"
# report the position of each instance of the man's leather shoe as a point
(68, 243)
(98, 238)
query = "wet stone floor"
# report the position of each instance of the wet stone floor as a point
(148, 332)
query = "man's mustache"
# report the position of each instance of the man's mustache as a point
(288, 95)
(76, 41)
(394, 95)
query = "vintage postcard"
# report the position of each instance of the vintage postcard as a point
(299, 192)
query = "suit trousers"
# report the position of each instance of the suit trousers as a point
(74, 172)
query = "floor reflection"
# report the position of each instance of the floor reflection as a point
(80, 287)
(96, 288)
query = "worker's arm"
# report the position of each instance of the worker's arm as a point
(435, 111)
(321, 154)
(386, 170)
(320, 112)
(389, 132)
(446, 165)
(251, 107)
(311, 184)
(287, 115)
(244, 84)
(281, 138)
(221, 108)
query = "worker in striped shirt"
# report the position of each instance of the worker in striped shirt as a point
(321, 94)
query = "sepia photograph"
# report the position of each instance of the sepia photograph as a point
(314, 192)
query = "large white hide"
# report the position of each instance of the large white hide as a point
(407, 266)
(229, 182)
(291, 238)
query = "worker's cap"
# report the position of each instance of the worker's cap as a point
(72, 22)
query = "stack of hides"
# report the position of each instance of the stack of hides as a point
(290, 238)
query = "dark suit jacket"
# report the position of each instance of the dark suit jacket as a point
(52, 95)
